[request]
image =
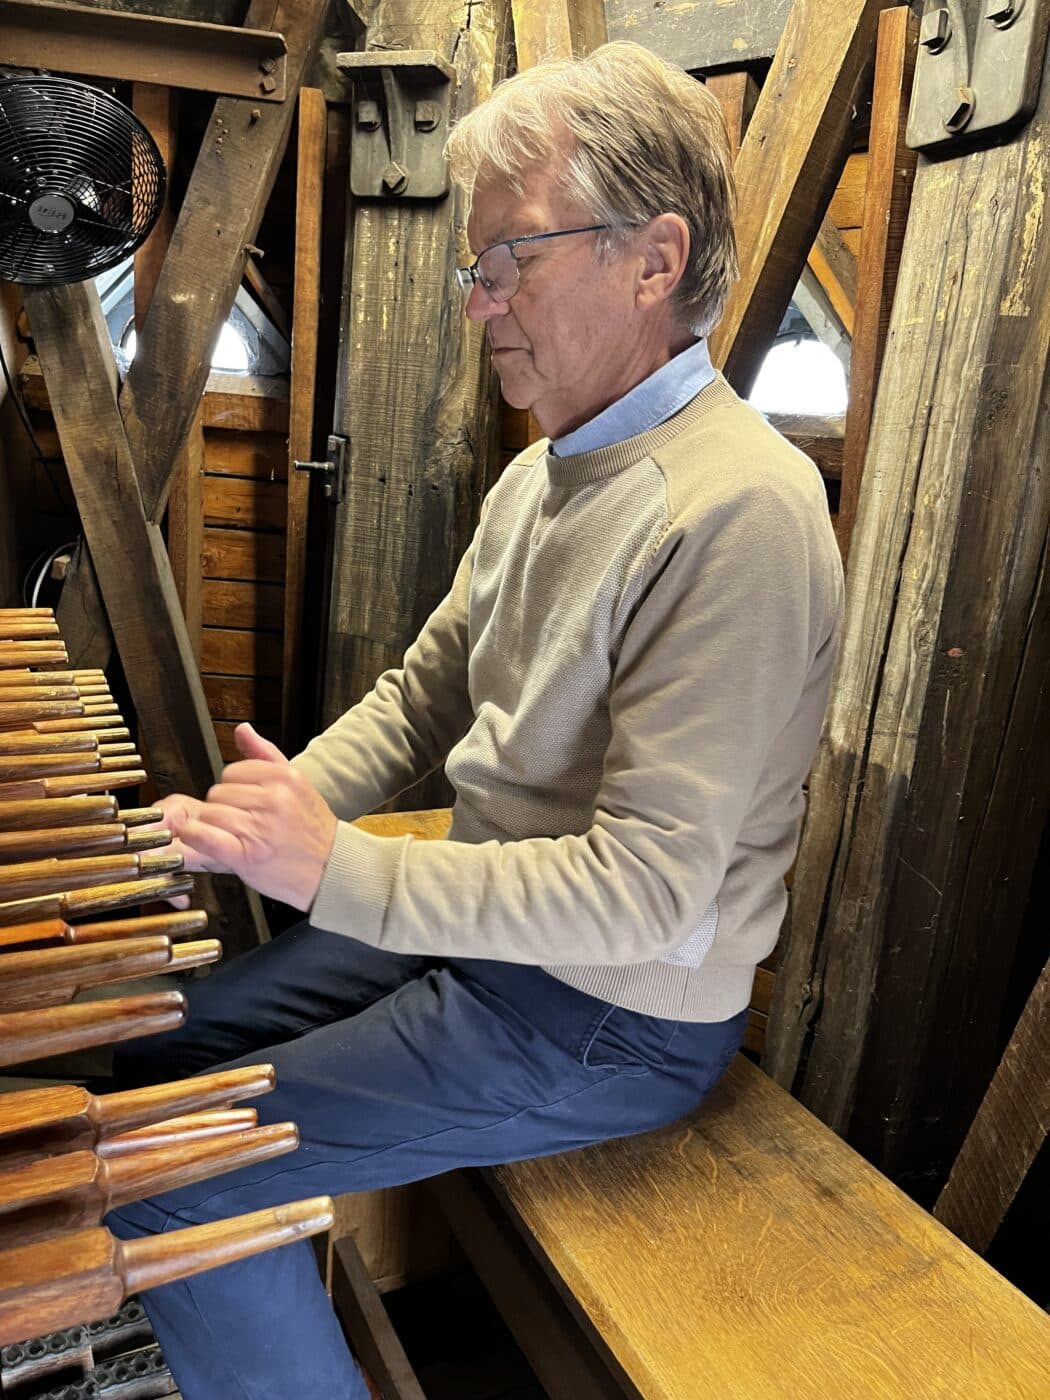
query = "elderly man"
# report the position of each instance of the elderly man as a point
(625, 685)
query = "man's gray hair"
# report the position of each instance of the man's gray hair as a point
(644, 139)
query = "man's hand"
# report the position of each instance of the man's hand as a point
(263, 822)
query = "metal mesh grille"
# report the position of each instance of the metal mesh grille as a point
(81, 181)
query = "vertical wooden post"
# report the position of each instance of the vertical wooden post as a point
(545, 29)
(737, 94)
(887, 197)
(557, 29)
(416, 400)
(930, 792)
(306, 309)
(186, 533)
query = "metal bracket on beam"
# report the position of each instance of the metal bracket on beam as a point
(181, 53)
(333, 471)
(402, 109)
(978, 71)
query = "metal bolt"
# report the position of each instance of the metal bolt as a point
(267, 65)
(395, 178)
(1002, 13)
(426, 115)
(935, 31)
(961, 112)
(368, 115)
(268, 84)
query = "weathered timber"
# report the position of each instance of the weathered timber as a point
(702, 34)
(309, 210)
(557, 28)
(887, 196)
(416, 394)
(791, 158)
(737, 94)
(186, 532)
(140, 596)
(833, 264)
(1009, 1130)
(931, 787)
(219, 218)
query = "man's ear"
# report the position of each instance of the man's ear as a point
(664, 253)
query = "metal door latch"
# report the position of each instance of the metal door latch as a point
(333, 471)
(977, 72)
(402, 108)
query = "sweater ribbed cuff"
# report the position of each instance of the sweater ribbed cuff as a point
(355, 889)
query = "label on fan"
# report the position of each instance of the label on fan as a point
(51, 213)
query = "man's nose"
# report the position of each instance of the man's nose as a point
(482, 306)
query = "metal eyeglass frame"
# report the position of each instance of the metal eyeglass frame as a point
(466, 277)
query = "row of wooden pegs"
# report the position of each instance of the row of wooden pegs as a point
(68, 854)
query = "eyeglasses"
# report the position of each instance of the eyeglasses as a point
(496, 268)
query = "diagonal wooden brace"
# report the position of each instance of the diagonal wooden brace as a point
(136, 581)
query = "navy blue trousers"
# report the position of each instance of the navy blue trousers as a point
(395, 1068)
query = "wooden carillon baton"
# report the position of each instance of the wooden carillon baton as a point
(31, 1035)
(88, 810)
(179, 1132)
(36, 788)
(88, 1274)
(182, 923)
(27, 741)
(43, 1198)
(66, 1118)
(22, 880)
(96, 899)
(78, 841)
(53, 976)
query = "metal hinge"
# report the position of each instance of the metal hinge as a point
(402, 108)
(977, 72)
(333, 471)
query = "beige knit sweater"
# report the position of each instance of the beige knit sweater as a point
(626, 684)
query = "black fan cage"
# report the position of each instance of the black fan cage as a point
(81, 181)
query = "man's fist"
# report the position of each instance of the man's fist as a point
(263, 821)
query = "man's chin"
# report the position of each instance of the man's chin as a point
(514, 392)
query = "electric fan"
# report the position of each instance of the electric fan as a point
(81, 181)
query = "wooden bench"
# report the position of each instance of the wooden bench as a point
(745, 1251)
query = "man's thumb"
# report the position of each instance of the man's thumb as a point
(253, 745)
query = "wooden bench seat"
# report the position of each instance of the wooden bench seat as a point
(746, 1252)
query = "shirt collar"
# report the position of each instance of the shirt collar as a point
(657, 398)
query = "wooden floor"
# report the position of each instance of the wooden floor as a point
(457, 1343)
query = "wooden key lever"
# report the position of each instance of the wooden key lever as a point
(51, 932)
(77, 1277)
(24, 879)
(56, 1194)
(176, 1132)
(53, 976)
(67, 1118)
(93, 900)
(32, 1035)
(60, 841)
(61, 811)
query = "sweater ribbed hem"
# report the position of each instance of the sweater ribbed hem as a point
(365, 865)
(659, 989)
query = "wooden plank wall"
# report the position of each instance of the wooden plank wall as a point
(242, 592)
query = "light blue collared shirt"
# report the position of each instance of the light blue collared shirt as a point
(648, 404)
